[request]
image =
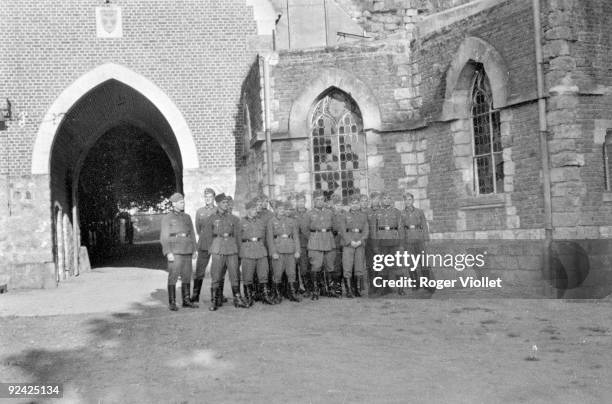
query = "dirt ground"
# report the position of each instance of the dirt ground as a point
(385, 350)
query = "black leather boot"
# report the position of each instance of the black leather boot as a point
(293, 296)
(315, 285)
(347, 287)
(358, 285)
(214, 299)
(265, 296)
(172, 298)
(238, 301)
(278, 293)
(185, 294)
(197, 287)
(248, 294)
(415, 278)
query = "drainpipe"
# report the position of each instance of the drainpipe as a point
(268, 132)
(543, 130)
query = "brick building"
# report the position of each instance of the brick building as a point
(443, 98)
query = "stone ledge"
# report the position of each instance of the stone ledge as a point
(607, 196)
(488, 201)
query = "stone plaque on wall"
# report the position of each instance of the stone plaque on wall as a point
(109, 22)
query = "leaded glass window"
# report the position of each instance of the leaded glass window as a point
(338, 146)
(488, 160)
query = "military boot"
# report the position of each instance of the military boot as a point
(315, 285)
(265, 295)
(248, 294)
(293, 296)
(415, 279)
(347, 287)
(238, 301)
(172, 298)
(185, 293)
(358, 285)
(214, 299)
(278, 293)
(197, 287)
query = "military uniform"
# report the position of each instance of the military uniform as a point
(304, 269)
(204, 242)
(389, 235)
(177, 237)
(283, 240)
(416, 232)
(336, 275)
(318, 223)
(354, 227)
(253, 253)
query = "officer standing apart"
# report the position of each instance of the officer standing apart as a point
(318, 223)
(284, 244)
(416, 233)
(389, 232)
(177, 238)
(204, 242)
(224, 229)
(355, 231)
(253, 253)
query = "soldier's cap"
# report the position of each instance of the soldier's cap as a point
(317, 193)
(363, 197)
(252, 204)
(408, 194)
(375, 194)
(229, 198)
(384, 194)
(336, 198)
(355, 198)
(209, 191)
(176, 197)
(284, 204)
(221, 197)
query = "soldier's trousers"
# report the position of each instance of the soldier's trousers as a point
(284, 264)
(201, 264)
(319, 258)
(353, 258)
(250, 266)
(393, 271)
(415, 247)
(180, 266)
(222, 263)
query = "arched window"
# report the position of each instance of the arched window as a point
(338, 146)
(607, 157)
(488, 160)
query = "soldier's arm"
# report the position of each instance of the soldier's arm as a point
(425, 226)
(365, 230)
(343, 233)
(192, 234)
(237, 231)
(305, 224)
(198, 222)
(270, 238)
(296, 237)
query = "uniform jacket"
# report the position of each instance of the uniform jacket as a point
(371, 215)
(299, 217)
(177, 235)
(319, 223)
(201, 215)
(415, 225)
(354, 227)
(224, 230)
(283, 235)
(389, 229)
(338, 220)
(265, 215)
(253, 234)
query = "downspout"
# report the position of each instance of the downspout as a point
(268, 132)
(543, 131)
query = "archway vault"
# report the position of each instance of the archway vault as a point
(54, 118)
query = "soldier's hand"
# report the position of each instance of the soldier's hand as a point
(170, 257)
(297, 254)
(275, 256)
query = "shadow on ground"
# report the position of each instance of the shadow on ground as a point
(144, 255)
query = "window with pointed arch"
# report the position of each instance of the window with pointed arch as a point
(338, 146)
(608, 159)
(487, 144)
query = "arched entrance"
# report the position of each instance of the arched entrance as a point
(108, 101)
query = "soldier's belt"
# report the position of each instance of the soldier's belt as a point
(224, 235)
(412, 226)
(320, 230)
(180, 234)
(387, 228)
(353, 230)
(252, 239)
(283, 236)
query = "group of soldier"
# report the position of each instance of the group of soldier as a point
(290, 251)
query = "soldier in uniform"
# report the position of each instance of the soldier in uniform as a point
(284, 244)
(224, 230)
(304, 270)
(203, 242)
(389, 231)
(416, 233)
(355, 231)
(178, 242)
(253, 253)
(318, 223)
(338, 211)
